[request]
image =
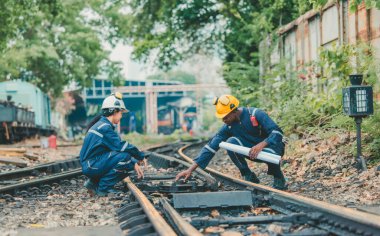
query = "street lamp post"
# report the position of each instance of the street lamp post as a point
(358, 103)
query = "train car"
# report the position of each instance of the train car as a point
(168, 119)
(25, 111)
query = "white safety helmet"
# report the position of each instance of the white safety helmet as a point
(114, 101)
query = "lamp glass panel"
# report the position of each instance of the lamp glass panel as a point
(361, 100)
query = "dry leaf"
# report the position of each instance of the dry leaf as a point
(215, 213)
(252, 228)
(275, 228)
(36, 225)
(231, 233)
(260, 210)
(214, 230)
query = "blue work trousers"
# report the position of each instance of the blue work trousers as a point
(108, 169)
(241, 163)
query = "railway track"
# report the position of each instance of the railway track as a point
(28, 179)
(213, 203)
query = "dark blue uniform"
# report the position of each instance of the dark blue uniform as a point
(243, 133)
(105, 158)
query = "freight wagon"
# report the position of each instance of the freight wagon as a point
(24, 111)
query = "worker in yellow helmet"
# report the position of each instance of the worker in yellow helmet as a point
(248, 127)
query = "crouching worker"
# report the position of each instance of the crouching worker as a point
(248, 127)
(104, 157)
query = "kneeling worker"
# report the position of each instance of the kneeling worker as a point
(248, 127)
(105, 159)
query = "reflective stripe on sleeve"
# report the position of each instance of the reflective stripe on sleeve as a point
(100, 126)
(270, 150)
(123, 162)
(89, 166)
(95, 132)
(277, 132)
(210, 149)
(240, 143)
(124, 146)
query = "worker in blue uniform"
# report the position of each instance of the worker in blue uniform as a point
(248, 127)
(104, 157)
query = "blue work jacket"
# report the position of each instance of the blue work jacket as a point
(249, 135)
(102, 139)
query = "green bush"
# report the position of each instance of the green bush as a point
(374, 150)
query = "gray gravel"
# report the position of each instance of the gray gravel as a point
(63, 206)
(317, 168)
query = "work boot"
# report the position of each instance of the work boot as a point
(91, 187)
(251, 177)
(280, 183)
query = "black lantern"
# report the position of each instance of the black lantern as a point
(358, 103)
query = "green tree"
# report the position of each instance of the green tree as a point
(180, 76)
(50, 43)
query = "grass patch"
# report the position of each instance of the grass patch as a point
(147, 140)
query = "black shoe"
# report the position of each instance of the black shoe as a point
(91, 187)
(251, 177)
(280, 183)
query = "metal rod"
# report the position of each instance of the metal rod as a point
(361, 162)
(206, 221)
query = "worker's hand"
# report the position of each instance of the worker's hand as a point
(255, 150)
(143, 162)
(140, 173)
(186, 174)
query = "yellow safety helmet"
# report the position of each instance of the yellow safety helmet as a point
(225, 104)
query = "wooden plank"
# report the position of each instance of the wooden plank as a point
(11, 154)
(13, 161)
(31, 156)
(21, 150)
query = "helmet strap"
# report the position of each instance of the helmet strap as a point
(110, 111)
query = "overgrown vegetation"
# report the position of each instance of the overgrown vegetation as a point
(308, 102)
(176, 75)
(302, 102)
(145, 141)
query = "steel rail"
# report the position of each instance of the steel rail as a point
(71, 163)
(158, 222)
(38, 181)
(183, 226)
(345, 217)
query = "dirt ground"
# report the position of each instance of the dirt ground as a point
(68, 206)
(63, 151)
(320, 168)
